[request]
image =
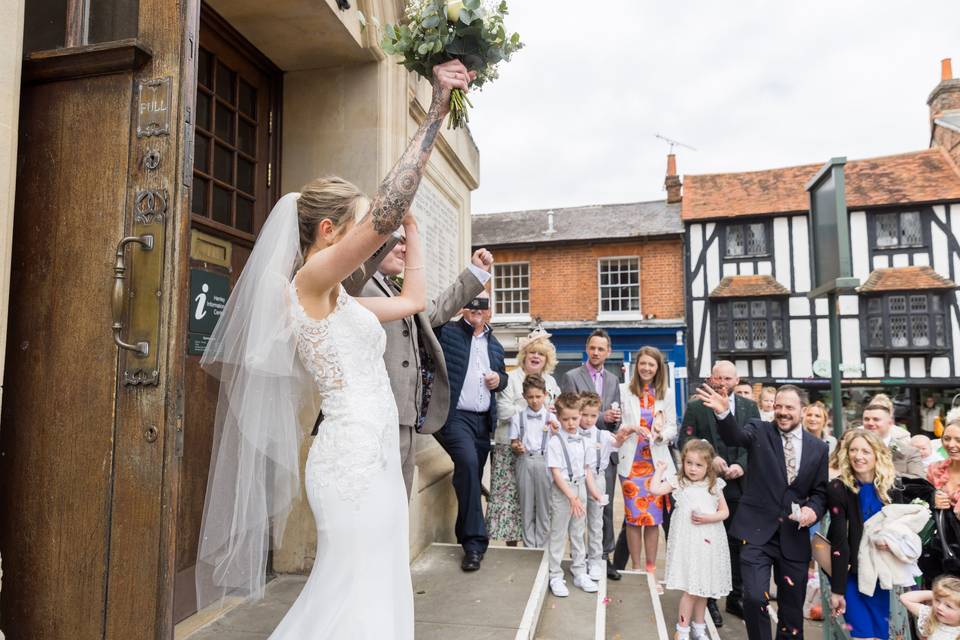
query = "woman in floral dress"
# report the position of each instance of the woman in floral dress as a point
(650, 419)
(537, 355)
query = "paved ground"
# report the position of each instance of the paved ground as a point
(570, 618)
(255, 621)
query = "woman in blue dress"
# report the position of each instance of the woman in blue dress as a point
(862, 489)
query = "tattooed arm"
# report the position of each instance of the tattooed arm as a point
(319, 278)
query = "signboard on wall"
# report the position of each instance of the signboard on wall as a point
(208, 296)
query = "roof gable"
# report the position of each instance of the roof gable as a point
(920, 176)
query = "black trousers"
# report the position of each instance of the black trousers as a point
(756, 562)
(466, 438)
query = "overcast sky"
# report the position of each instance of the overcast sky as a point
(749, 84)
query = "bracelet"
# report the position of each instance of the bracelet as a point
(413, 268)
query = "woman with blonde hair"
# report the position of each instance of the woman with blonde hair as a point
(537, 355)
(649, 424)
(863, 486)
(815, 420)
(290, 342)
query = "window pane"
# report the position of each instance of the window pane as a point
(918, 304)
(723, 335)
(205, 68)
(875, 332)
(897, 304)
(198, 200)
(741, 309)
(741, 334)
(222, 205)
(223, 164)
(203, 111)
(920, 330)
(774, 309)
(225, 83)
(224, 123)
(776, 334)
(201, 153)
(898, 332)
(246, 171)
(735, 241)
(244, 214)
(723, 310)
(875, 306)
(511, 288)
(759, 334)
(886, 224)
(112, 20)
(619, 285)
(936, 303)
(758, 309)
(756, 239)
(911, 232)
(247, 134)
(939, 330)
(248, 100)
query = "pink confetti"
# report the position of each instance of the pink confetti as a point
(606, 601)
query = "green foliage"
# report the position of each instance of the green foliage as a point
(478, 38)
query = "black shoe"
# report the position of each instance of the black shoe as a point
(735, 607)
(471, 561)
(715, 613)
(612, 573)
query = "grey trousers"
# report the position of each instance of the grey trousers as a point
(595, 524)
(533, 485)
(408, 456)
(564, 525)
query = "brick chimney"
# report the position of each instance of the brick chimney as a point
(944, 103)
(672, 181)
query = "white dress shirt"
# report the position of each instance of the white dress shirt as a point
(475, 396)
(602, 442)
(578, 450)
(535, 427)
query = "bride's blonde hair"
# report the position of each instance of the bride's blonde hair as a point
(328, 198)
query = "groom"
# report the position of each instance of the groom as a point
(784, 494)
(415, 364)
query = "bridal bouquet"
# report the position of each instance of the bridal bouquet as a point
(437, 31)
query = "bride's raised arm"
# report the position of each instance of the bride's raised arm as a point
(324, 271)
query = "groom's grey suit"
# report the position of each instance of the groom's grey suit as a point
(412, 347)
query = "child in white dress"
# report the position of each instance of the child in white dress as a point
(940, 619)
(698, 559)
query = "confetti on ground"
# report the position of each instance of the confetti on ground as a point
(707, 541)
(606, 600)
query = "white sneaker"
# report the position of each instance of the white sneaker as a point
(559, 587)
(597, 571)
(584, 582)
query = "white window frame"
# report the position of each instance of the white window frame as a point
(619, 315)
(509, 317)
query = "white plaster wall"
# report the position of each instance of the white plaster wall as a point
(713, 261)
(850, 344)
(696, 248)
(881, 262)
(801, 255)
(765, 268)
(823, 339)
(859, 247)
(801, 360)
(759, 368)
(781, 240)
(746, 268)
(941, 256)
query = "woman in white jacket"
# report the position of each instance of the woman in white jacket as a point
(650, 419)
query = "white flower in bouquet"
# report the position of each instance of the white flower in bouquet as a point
(437, 31)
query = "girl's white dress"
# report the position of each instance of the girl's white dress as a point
(942, 632)
(698, 559)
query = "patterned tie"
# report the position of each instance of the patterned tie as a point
(790, 458)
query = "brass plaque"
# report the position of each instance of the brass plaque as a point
(153, 107)
(207, 248)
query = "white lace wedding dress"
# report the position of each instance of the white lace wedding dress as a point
(360, 586)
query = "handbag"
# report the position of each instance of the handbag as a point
(948, 538)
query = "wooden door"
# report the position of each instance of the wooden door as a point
(87, 436)
(235, 178)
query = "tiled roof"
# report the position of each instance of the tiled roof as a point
(594, 222)
(905, 279)
(749, 287)
(921, 176)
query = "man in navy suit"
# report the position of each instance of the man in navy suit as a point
(785, 494)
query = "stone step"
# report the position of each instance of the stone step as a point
(633, 608)
(579, 616)
(501, 601)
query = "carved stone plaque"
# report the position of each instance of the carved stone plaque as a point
(153, 107)
(439, 224)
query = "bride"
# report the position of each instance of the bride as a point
(290, 338)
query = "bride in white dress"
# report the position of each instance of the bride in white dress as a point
(290, 341)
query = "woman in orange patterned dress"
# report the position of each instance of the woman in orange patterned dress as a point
(649, 417)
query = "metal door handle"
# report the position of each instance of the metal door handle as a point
(119, 292)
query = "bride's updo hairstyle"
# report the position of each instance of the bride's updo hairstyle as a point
(328, 198)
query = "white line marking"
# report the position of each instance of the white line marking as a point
(657, 608)
(600, 628)
(538, 594)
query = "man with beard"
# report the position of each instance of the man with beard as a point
(784, 495)
(699, 422)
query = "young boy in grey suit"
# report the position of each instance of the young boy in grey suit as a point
(529, 431)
